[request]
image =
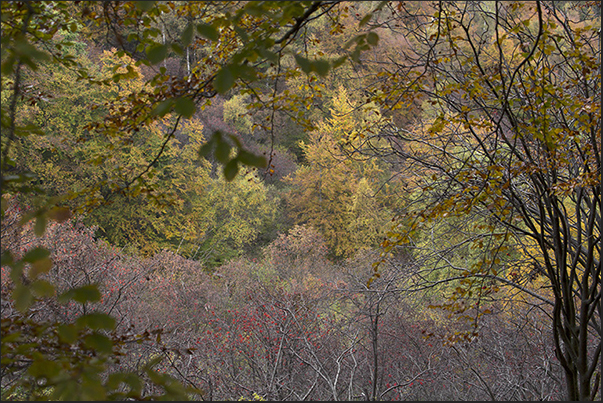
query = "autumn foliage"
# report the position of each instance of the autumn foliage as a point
(320, 200)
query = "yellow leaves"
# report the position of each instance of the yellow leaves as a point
(438, 125)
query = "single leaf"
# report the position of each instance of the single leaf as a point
(43, 368)
(29, 52)
(187, 35)
(251, 159)
(7, 65)
(231, 169)
(185, 107)
(156, 53)
(177, 48)
(99, 343)
(22, 297)
(222, 150)
(321, 67)
(206, 148)
(208, 32)
(267, 54)
(68, 333)
(304, 64)
(16, 271)
(82, 294)
(40, 266)
(36, 254)
(242, 33)
(6, 258)
(224, 80)
(245, 72)
(372, 38)
(365, 19)
(145, 5)
(339, 61)
(163, 107)
(131, 379)
(96, 321)
(59, 214)
(11, 338)
(40, 225)
(42, 288)
(438, 124)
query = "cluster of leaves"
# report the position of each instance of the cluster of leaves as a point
(58, 337)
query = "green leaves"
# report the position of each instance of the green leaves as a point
(187, 35)
(251, 159)
(224, 79)
(208, 32)
(164, 107)
(157, 53)
(87, 293)
(372, 38)
(23, 297)
(42, 367)
(320, 66)
(59, 214)
(24, 52)
(363, 43)
(231, 169)
(222, 151)
(145, 5)
(438, 125)
(185, 106)
(96, 321)
(36, 254)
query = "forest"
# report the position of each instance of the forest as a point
(301, 200)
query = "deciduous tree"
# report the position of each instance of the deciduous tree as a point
(510, 138)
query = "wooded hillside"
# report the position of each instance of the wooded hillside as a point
(301, 200)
